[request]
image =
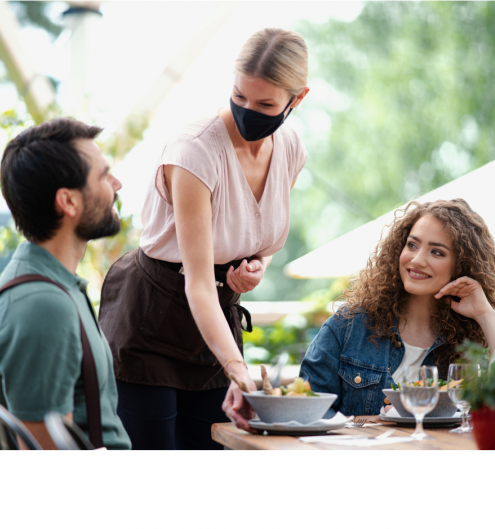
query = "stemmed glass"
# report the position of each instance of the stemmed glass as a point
(419, 395)
(458, 374)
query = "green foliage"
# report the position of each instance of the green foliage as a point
(400, 102)
(323, 302)
(294, 333)
(37, 14)
(127, 137)
(266, 343)
(10, 239)
(479, 391)
(417, 109)
(12, 123)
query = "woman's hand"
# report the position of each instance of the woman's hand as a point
(473, 303)
(235, 406)
(246, 277)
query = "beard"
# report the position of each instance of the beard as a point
(98, 220)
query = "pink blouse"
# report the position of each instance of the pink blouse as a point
(242, 227)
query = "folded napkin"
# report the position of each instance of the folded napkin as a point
(338, 418)
(353, 440)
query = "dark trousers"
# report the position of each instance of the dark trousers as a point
(162, 418)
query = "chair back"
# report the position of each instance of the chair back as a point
(11, 428)
(65, 434)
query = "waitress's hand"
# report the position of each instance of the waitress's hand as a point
(235, 406)
(473, 303)
(246, 277)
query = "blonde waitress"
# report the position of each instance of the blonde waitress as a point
(215, 213)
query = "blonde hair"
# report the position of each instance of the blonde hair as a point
(278, 56)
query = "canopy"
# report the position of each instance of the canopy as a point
(349, 253)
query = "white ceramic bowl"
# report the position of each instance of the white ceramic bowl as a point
(284, 409)
(444, 408)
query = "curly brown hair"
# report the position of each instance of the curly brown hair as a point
(378, 288)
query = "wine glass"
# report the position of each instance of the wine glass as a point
(419, 395)
(458, 374)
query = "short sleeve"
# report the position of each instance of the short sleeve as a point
(41, 355)
(194, 154)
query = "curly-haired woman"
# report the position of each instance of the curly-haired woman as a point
(429, 285)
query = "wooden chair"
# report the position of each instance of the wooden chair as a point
(66, 435)
(11, 428)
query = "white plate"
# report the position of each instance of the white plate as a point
(316, 427)
(427, 421)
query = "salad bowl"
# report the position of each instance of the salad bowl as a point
(444, 408)
(275, 409)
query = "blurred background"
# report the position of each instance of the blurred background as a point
(401, 103)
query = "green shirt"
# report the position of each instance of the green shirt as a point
(40, 346)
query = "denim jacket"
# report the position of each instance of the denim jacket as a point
(342, 353)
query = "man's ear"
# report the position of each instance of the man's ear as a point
(68, 201)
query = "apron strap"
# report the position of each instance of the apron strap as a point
(242, 312)
(88, 366)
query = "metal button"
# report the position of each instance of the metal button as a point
(358, 379)
(386, 401)
(398, 345)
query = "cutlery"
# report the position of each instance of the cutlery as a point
(356, 423)
(367, 425)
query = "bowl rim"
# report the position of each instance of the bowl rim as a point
(260, 393)
(399, 391)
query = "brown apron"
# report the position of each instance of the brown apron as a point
(154, 339)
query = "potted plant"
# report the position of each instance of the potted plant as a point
(479, 391)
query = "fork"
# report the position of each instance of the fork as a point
(356, 423)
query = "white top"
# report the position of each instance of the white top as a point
(242, 227)
(413, 356)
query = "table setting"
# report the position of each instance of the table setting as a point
(420, 401)
(295, 415)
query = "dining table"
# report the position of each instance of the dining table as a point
(233, 438)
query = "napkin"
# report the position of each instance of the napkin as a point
(352, 440)
(338, 418)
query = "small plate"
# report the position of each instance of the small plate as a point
(429, 422)
(318, 427)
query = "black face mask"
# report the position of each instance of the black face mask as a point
(255, 126)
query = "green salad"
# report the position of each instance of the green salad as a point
(419, 383)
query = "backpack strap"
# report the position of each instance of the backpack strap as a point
(88, 366)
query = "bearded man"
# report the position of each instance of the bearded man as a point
(58, 187)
